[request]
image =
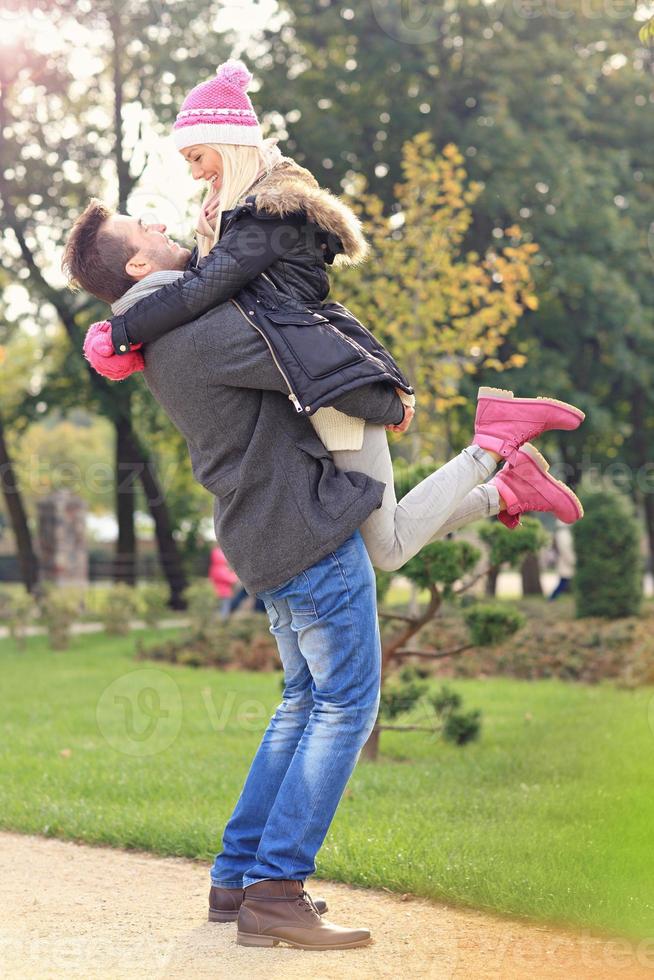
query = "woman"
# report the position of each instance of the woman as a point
(266, 232)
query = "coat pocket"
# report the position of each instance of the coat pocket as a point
(314, 343)
(328, 487)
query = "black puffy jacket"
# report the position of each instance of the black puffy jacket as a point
(271, 263)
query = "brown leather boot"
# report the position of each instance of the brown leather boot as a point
(280, 910)
(224, 904)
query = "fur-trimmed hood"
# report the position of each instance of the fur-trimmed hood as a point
(289, 188)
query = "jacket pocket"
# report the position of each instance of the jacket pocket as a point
(314, 343)
(328, 487)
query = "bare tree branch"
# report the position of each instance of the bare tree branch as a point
(434, 655)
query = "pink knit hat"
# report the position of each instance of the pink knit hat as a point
(219, 111)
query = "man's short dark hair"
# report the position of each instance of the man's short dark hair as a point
(94, 258)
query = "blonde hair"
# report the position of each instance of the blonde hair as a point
(242, 167)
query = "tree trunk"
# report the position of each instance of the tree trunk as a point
(530, 570)
(370, 750)
(169, 556)
(642, 458)
(27, 560)
(126, 476)
(572, 470)
(491, 581)
(648, 504)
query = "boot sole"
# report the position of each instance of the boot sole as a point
(544, 467)
(215, 916)
(251, 939)
(485, 392)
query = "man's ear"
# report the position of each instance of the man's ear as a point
(138, 267)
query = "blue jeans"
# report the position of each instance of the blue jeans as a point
(325, 624)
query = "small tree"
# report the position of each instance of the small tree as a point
(443, 311)
(608, 576)
(512, 547)
(453, 724)
(445, 569)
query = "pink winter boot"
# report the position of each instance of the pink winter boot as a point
(525, 484)
(503, 422)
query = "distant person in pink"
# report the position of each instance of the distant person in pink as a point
(223, 579)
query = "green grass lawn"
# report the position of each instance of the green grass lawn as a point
(550, 815)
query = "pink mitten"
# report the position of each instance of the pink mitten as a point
(99, 352)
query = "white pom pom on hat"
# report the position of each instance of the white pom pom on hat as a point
(219, 111)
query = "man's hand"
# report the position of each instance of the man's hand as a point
(409, 412)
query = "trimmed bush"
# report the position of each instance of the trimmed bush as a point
(202, 605)
(462, 727)
(240, 643)
(60, 608)
(153, 603)
(118, 606)
(512, 547)
(442, 563)
(458, 727)
(608, 576)
(17, 610)
(491, 623)
(396, 698)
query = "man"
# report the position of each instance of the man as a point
(288, 523)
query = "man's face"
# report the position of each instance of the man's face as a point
(155, 251)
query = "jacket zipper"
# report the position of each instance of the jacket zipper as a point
(264, 276)
(292, 396)
(349, 340)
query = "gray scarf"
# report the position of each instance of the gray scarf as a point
(149, 284)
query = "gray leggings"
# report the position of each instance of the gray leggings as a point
(446, 500)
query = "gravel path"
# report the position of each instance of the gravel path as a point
(71, 910)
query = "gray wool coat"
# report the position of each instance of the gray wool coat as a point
(280, 503)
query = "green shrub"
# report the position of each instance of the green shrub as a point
(457, 726)
(512, 547)
(118, 606)
(404, 692)
(17, 610)
(491, 623)
(396, 698)
(445, 700)
(153, 602)
(60, 608)
(242, 643)
(608, 576)
(201, 605)
(442, 563)
(461, 727)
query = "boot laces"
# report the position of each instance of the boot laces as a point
(306, 902)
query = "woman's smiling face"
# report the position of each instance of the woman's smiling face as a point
(206, 163)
